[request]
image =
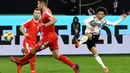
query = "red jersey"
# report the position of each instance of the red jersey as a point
(48, 31)
(32, 28)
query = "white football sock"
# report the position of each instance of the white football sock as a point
(83, 39)
(99, 60)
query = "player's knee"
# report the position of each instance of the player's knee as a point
(56, 56)
(56, 53)
(89, 36)
(94, 51)
(33, 51)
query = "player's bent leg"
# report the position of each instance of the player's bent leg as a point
(89, 36)
(18, 63)
(65, 60)
(98, 59)
(32, 61)
(29, 55)
(25, 58)
(83, 39)
(15, 60)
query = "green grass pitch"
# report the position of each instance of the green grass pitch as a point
(48, 64)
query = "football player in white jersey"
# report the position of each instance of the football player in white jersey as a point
(93, 26)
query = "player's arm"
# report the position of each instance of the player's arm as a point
(89, 12)
(24, 25)
(52, 21)
(117, 22)
(50, 17)
(87, 21)
(21, 28)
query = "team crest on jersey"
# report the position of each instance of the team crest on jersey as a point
(95, 23)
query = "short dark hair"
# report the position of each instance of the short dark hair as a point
(37, 9)
(43, 1)
(103, 9)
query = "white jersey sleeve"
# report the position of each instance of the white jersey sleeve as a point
(88, 20)
(114, 23)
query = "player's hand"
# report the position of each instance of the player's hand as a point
(92, 28)
(124, 16)
(26, 34)
(43, 24)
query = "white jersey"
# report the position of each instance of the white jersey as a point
(93, 21)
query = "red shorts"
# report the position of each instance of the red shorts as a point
(28, 46)
(52, 43)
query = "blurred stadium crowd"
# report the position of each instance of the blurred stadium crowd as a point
(65, 7)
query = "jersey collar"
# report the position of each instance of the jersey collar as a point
(35, 20)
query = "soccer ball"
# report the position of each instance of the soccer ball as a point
(8, 36)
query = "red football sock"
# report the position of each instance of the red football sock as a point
(26, 57)
(24, 63)
(32, 63)
(19, 67)
(65, 60)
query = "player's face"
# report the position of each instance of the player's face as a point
(37, 14)
(39, 5)
(100, 15)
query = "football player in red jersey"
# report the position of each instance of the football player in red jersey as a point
(50, 39)
(32, 26)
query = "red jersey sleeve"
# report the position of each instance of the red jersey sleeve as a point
(47, 15)
(25, 24)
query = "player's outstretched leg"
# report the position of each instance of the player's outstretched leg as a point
(22, 61)
(29, 55)
(65, 60)
(20, 64)
(15, 60)
(99, 60)
(25, 58)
